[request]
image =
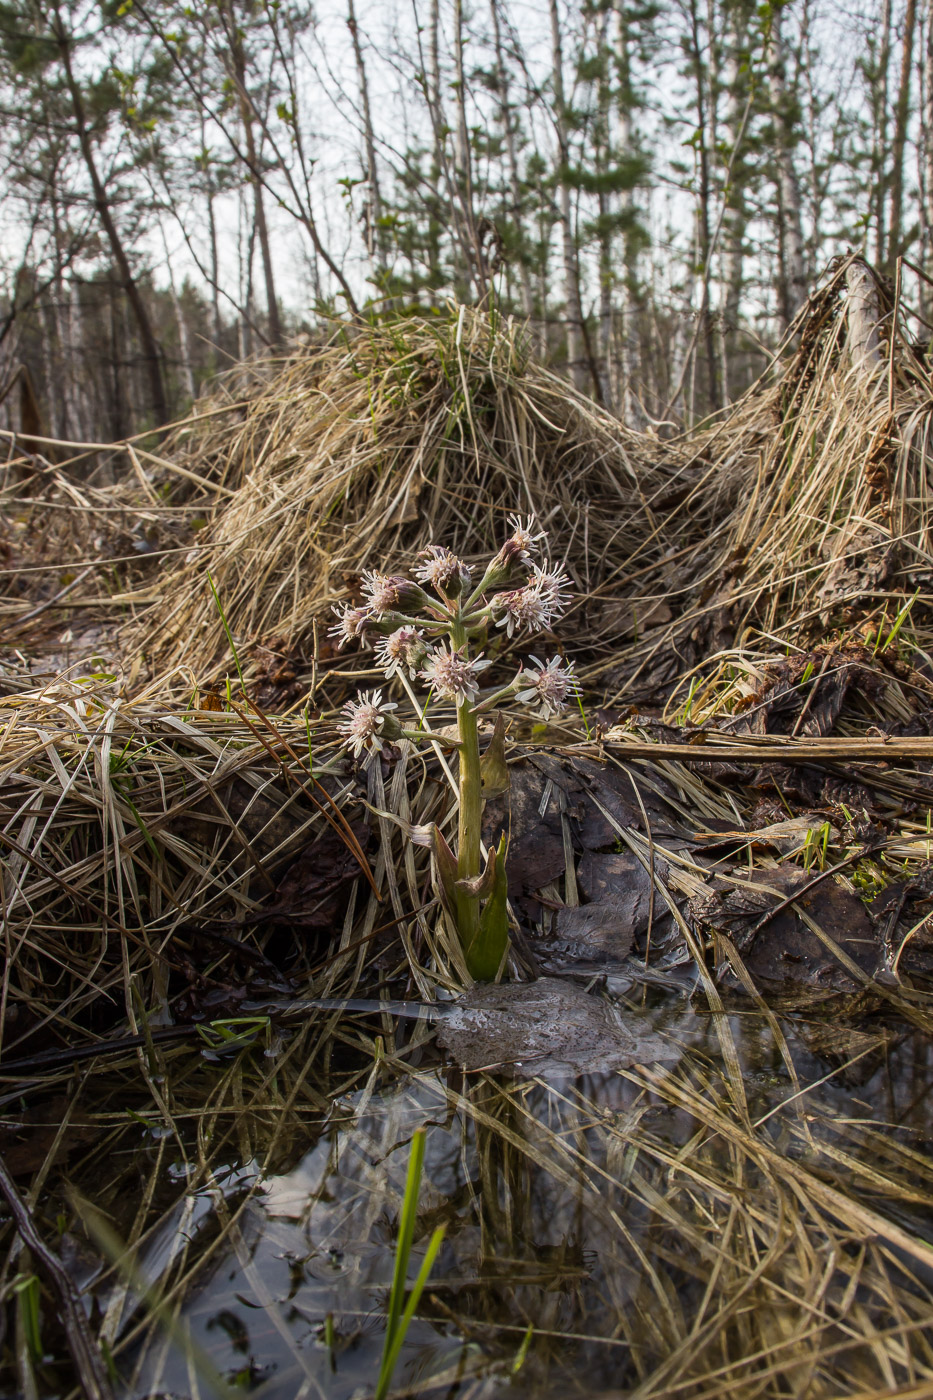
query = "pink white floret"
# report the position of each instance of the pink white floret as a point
(350, 625)
(452, 675)
(364, 722)
(385, 592)
(442, 570)
(523, 541)
(553, 586)
(402, 650)
(522, 608)
(549, 685)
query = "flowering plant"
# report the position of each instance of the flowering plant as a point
(433, 627)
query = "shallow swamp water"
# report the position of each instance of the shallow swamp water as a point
(750, 1216)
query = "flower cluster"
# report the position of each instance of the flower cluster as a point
(437, 627)
(434, 626)
(452, 675)
(547, 684)
(367, 721)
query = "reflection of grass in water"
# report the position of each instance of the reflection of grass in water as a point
(659, 1231)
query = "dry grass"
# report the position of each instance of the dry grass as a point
(805, 508)
(806, 505)
(128, 827)
(360, 455)
(737, 1226)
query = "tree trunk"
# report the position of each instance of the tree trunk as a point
(51, 381)
(152, 354)
(376, 238)
(627, 318)
(704, 236)
(877, 196)
(926, 160)
(78, 420)
(239, 63)
(735, 218)
(184, 340)
(209, 193)
(793, 288)
(463, 166)
(515, 189)
(901, 115)
(602, 160)
(864, 315)
(461, 240)
(574, 305)
(246, 240)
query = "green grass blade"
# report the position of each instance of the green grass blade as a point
(391, 1354)
(236, 659)
(406, 1233)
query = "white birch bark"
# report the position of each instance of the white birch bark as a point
(864, 315)
(794, 279)
(571, 269)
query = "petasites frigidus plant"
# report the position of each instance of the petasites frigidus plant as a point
(433, 627)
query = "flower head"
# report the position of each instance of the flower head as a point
(523, 607)
(547, 684)
(442, 570)
(367, 721)
(386, 592)
(452, 675)
(553, 586)
(403, 649)
(523, 541)
(351, 623)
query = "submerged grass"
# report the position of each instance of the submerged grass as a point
(663, 1237)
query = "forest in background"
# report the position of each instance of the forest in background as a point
(652, 186)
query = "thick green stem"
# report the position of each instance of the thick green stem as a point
(471, 811)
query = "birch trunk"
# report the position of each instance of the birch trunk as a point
(880, 143)
(704, 236)
(515, 189)
(734, 222)
(630, 368)
(901, 116)
(793, 289)
(926, 157)
(864, 315)
(574, 305)
(463, 167)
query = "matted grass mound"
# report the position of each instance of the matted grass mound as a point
(804, 511)
(806, 506)
(400, 436)
(139, 840)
